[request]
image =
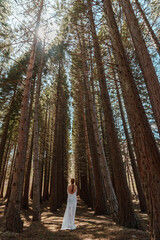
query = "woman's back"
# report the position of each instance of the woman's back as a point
(69, 216)
(72, 189)
(72, 199)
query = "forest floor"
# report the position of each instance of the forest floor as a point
(89, 226)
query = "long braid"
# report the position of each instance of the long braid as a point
(72, 182)
(72, 187)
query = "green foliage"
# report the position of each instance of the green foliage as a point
(4, 13)
(12, 77)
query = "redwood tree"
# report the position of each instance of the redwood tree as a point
(13, 219)
(148, 155)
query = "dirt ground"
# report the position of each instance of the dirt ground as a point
(88, 226)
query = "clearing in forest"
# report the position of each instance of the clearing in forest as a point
(89, 226)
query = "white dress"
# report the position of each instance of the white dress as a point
(69, 215)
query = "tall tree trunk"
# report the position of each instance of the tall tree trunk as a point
(65, 152)
(60, 155)
(36, 163)
(142, 200)
(147, 153)
(154, 37)
(59, 139)
(100, 203)
(6, 127)
(13, 219)
(101, 155)
(90, 162)
(145, 61)
(106, 145)
(46, 174)
(3, 180)
(102, 130)
(127, 217)
(31, 191)
(27, 177)
(46, 162)
(43, 148)
(7, 152)
(54, 171)
(64, 155)
(64, 143)
(130, 178)
(25, 197)
(4, 168)
(8, 191)
(55, 154)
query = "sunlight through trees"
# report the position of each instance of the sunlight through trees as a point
(80, 97)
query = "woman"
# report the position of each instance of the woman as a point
(69, 216)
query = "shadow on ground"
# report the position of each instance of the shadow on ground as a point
(89, 226)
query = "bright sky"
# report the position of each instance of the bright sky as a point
(22, 21)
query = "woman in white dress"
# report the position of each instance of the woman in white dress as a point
(69, 215)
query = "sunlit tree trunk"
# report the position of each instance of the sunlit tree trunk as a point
(127, 217)
(131, 177)
(25, 197)
(8, 191)
(36, 163)
(148, 156)
(132, 158)
(98, 145)
(13, 219)
(145, 61)
(31, 190)
(100, 203)
(27, 177)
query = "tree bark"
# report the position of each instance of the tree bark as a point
(25, 197)
(13, 219)
(145, 61)
(142, 200)
(127, 216)
(147, 153)
(90, 163)
(36, 163)
(6, 127)
(46, 159)
(54, 200)
(8, 149)
(27, 178)
(4, 167)
(8, 191)
(43, 149)
(100, 203)
(103, 164)
(60, 153)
